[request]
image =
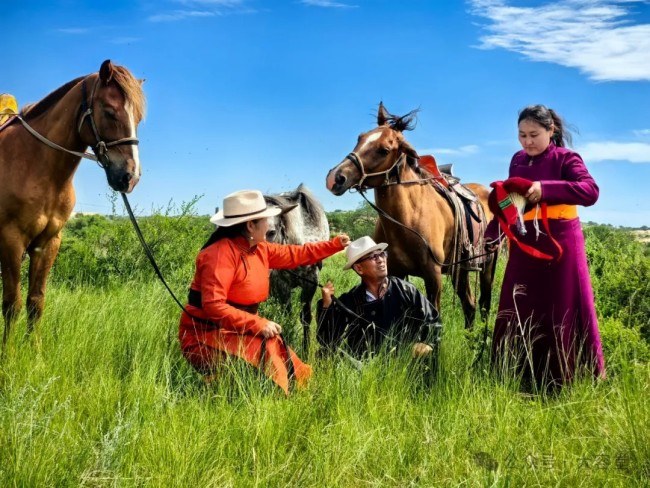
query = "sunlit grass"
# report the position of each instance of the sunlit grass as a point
(100, 396)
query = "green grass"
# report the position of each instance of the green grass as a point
(100, 396)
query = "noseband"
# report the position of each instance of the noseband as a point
(356, 160)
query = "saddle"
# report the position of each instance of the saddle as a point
(8, 107)
(468, 211)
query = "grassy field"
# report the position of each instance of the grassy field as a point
(100, 396)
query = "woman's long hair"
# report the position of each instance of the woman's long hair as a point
(225, 233)
(547, 118)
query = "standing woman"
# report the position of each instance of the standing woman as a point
(547, 316)
(231, 280)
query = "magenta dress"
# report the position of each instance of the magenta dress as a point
(547, 316)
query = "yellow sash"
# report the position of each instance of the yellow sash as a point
(553, 212)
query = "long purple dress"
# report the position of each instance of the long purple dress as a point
(549, 304)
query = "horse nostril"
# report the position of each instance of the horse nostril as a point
(340, 179)
(127, 178)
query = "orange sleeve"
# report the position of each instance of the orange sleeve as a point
(291, 256)
(217, 269)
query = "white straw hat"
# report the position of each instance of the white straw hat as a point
(360, 248)
(242, 206)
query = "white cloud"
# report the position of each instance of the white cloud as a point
(74, 30)
(597, 37)
(461, 151)
(642, 132)
(202, 8)
(214, 3)
(326, 3)
(179, 15)
(633, 152)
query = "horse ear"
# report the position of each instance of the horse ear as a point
(382, 114)
(288, 208)
(408, 149)
(106, 71)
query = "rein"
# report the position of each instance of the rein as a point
(100, 149)
(384, 214)
(147, 250)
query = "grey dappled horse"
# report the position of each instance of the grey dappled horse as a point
(303, 220)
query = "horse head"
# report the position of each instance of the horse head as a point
(377, 153)
(112, 107)
(278, 231)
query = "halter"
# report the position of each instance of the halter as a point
(356, 160)
(100, 149)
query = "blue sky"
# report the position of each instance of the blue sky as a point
(269, 94)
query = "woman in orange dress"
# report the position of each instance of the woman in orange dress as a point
(231, 280)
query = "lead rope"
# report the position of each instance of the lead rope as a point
(147, 250)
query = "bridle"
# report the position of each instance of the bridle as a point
(356, 160)
(361, 189)
(100, 149)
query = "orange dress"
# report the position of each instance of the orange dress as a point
(230, 276)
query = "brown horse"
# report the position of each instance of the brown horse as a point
(404, 194)
(40, 150)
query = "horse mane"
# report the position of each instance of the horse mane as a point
(312, 207)
(130, 86)
(310, 215)
(33, 110)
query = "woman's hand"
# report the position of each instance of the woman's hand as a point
(328, 292)
(345, 239)
(534, 193)
(271, 329)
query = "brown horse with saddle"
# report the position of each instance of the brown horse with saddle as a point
(40, 150)
(433, 225)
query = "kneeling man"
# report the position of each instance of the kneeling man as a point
(381, 308)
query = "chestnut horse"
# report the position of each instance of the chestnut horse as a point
(40, 150)
(408, 201)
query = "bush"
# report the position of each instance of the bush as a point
(620, 271)
(100, 250)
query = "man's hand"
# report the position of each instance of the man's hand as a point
(420, 350)
(328, 292)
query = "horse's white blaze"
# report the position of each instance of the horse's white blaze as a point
(371, 138)
(134, 147)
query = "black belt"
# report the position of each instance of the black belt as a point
(194, 299)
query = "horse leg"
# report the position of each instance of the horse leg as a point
(306, 296)
(10, 259)
(464, 292)
(41, 259)
(433, 285)
(486, 279)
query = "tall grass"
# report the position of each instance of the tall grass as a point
(100, 396)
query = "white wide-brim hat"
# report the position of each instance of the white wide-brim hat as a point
(242, 206)
(360, 248)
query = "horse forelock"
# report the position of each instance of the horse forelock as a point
(405, 122)
(132, 89)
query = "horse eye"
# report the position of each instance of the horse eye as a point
(110, 115)
(270, 235)
(383, 151)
